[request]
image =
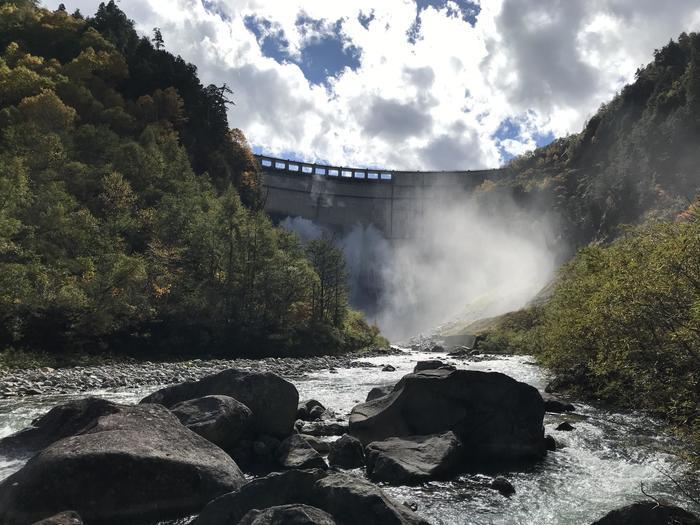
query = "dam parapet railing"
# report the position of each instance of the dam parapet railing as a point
(297, 168)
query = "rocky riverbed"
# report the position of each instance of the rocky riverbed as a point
(137, 374)
(597, 467)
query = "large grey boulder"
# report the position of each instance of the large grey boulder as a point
(497, 418)
(555, 405)
(379, 391)
(320, 446)
(353, 500)
(219, 419)
(324, 428)
(296, 453)
(272, 399)
(68, 419)
(131, 463)
(432, 364)
(280, 488)
(414, 459)
(62, 518)
(295, 514)
(349, 499)
(648, 513)
(346, 452)
(310, 410)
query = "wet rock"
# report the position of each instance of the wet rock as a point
(354, 500)
(322, 447)
(323, 428)
(69, 419)
(503, 486)
(296, 453)
(497, 418)
(413, 459)
(550, 443)
(428, 365)
(388, 368)
(555, 405)
(648, 513)
(411, 505)
(272, 399)
(310, 410)
(219, 419)
(347, 498)
(107, 471)
(379, 391)
(346, 452)
(565, 427)
(284, 488)
(294, 514)
(63, 518)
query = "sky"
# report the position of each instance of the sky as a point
(411, 84)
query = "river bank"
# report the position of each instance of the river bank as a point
(136, 374)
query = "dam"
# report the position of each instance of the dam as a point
(340, 197)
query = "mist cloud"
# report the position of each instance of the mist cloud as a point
(468, 261)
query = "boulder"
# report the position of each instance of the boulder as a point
(62, 518)
(555, 405)
(428, 365)
(322, 447)
(348, 499)
(272, 399)
(296, 453)
(354, 500)
(69, 419)
(295, 514)
(503, 486)
(414, 459)
(219, 419)
(496, 418)
(648, 513)
(280, 488)
(565, 427)
(550, 443)
(379, 391)
(388, 368)
(132, 462)
(310, 410)
(322, 428)
(346, 452)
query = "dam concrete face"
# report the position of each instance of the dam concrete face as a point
(339, 198)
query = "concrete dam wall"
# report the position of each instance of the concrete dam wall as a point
(339, 197)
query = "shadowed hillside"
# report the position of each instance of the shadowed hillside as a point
(129, 210)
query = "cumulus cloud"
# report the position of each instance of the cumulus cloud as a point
(411, 84)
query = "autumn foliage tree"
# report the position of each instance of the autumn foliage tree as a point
(130, 211)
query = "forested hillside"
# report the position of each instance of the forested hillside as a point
(623, 320)
(636, 158)
(129, 211)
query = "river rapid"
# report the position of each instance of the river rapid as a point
(599, 466)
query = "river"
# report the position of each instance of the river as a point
(599, 466)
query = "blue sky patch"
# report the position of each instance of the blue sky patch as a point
(468, 11)
(508, 129)
(542, 139)
(213, 7)
(326, 51)
(270, 37)
(365, 19)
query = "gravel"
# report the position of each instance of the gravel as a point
(47, 380)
